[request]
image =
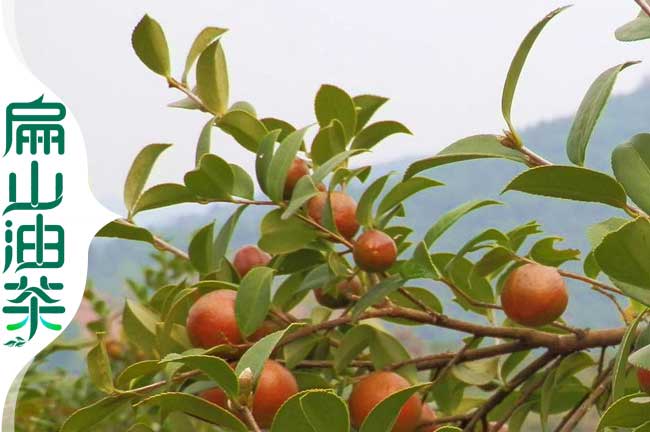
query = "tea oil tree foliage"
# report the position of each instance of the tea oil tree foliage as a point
(208, 341)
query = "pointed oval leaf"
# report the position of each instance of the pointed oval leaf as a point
(150, 44)
(473, 147)
(334, 103)
(637, 29)
(325, 411)
(196, 407)
(621, 254)
(163, 195)
(366, 106)
(212, 79)
(244, 127)
(404, 190)
(352, 344)
(205, 141)
(567, 182)
(621, 363)
(447, 220)
(201, 42)
(99, 367)
(85, 418)
(517, 65)
(589, 112)
(253, 299)
(201, 250)
(376, 132)
(368, 198)
(139, 173)
(328, 142)
(627, 412)
(255, 357)
(631, 165)
(383, 416)
(214, 368)
(281, 162)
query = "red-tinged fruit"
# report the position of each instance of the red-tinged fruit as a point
(297, 170)
(274, 387)
(338, 298)
(534, 295)
(375, 251)
(211, 320)
(344, 210)
(248, 257)
(374, 388)
(643, 377)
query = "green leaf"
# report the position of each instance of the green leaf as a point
(201, 249)
(125, 230)
(135, 371)
(205, 140)
(325, 411)
(637, 29)
(352, 344)
(589, 112)
(383, 416)
(214, 368)
(212, 79)
(196, 407)
(85, 418)
(282, 236)
(366, 106)
(201, 42)
(299, 350)
(284, 127)
(163, 195)
(280, 164)
(243, 185)
(477, 372)
(621, 254)
(567, 182)
(224, 236)
(243, 106)
(495, 259)
(544, 252)
(139, 324)
(328, 142)
(618, 381)
(631, 165)
(263, 158)
(373, 134)
(333, 103)
(139, 427)
(149, 43)
(473, 147)
(597, 232)
(290, 417)
(386, 350)
(367, 200)
(547, 392)
(422, 294)
(244, 127)
(404, 190)
(287, 296)
(628, 412)
(253, 299)
(213, 179)
(139, 173)
(255, 357)
(517, 65)
(376, 294)
(447, 220)
(99, 366)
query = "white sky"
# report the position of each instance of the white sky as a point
(442, 63)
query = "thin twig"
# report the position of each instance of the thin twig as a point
(250, 420)
(512, 385)
(644, 6)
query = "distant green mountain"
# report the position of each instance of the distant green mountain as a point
(111, 261)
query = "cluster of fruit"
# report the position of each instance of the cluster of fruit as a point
(533, 295)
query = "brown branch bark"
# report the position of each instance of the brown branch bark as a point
(512, 385)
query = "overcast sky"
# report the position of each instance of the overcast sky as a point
(442, 63)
